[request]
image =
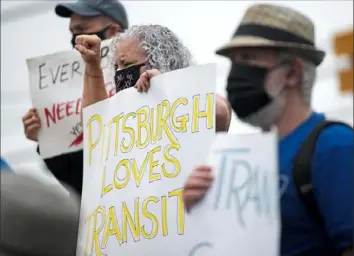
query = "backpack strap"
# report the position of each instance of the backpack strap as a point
(302, 175)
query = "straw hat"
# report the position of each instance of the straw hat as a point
(266, 25)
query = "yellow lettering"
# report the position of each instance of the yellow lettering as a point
(129, 130)
(208, 113)
(180, 208)
(163, 114)
(109, 127)
(181, 120)
(91, 144)
(103, 140)
(151, 216)
(172, 160)
(95, 239)
(153, 129)
(133, 224)
(143, 123)
(125, 181)
(138, 174)
(154, 176)
(105, 189)
(116, 120)
(112, 220)
(88, 222)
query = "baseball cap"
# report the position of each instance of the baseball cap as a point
(90, 8)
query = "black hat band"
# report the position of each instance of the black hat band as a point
(270, 33)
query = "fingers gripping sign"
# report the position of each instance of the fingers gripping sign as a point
(143, 84)
(31, 124)
(197, 185)
(89, 47)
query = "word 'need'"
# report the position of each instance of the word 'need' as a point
(61, 110)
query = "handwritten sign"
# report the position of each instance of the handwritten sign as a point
(138, 151)
(240, 215)
(56, 83)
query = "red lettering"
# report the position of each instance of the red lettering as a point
(68, 108)
(60, 108)
(78, 106)
(50, 115)
(111, 92)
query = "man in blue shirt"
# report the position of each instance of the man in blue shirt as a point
(274, 61)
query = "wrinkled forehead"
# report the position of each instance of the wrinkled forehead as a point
(128, 49)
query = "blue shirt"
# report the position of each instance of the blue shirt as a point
(332, 179)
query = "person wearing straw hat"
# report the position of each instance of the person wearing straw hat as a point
(90, 17)
(274, 62)
(36, 219)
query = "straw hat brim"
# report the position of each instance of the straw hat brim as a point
(306, 51)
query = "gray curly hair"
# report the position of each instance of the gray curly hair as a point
(163, 49)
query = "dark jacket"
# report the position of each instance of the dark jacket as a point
(67, 168)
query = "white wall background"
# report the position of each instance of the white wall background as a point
(31, 28)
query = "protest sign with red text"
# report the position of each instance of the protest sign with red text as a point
(56, 82)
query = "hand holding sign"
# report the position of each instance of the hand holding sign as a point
(31, 124)
(90, 48)
(197, 185)
(143, 84)
(241, 208)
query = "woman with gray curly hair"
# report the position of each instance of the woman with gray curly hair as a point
(140, 53)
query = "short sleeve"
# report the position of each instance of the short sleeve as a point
(333, 182)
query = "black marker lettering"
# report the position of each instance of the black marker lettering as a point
(64, 72)
(75, 69)
(41, 77)
(54, 78)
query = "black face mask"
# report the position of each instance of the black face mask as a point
(127, 77)
(100, 34)
(246, 89)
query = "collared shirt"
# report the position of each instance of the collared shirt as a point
(332, 179)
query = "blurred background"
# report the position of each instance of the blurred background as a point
(31, 28)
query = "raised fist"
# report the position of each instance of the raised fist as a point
(89, 47)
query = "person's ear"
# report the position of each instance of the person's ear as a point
(294, 74)
(113, 30)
